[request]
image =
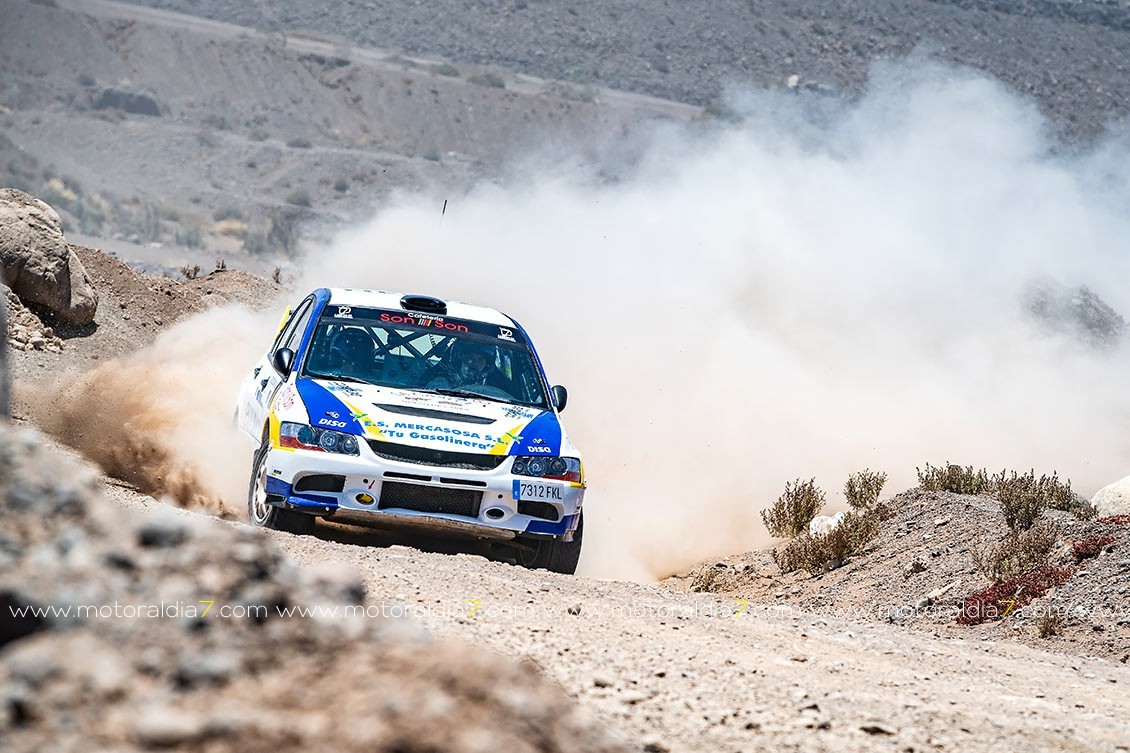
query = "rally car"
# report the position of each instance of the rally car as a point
(409, 411)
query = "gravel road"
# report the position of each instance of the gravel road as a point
(689, 672)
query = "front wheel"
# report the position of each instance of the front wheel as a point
(553, 554)
(259, 509)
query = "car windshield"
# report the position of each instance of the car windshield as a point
(414, 351)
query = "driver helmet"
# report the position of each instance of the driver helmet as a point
(471, 361)
(353, 349)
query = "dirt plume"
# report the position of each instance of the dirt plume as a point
(160, 418)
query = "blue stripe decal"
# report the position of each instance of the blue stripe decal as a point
(568, 523)
(312, 502)
(325, 410)
(542, 436)
(278, 487)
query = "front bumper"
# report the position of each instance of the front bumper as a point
(450, 502)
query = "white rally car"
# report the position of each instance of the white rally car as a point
(395, 411)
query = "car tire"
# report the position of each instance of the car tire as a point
(261, 512)
(553, 554)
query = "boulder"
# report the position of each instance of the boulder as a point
(1113, 499)
(3, 358)
(38, 264)
(131, 102)
(1076, 311)
(825, 524)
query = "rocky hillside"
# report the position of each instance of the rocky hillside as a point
(1073, 57)
(922, 568)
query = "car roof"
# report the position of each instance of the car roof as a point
(384, 299)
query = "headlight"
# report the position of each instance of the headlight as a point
(558, 469)
(302, 436)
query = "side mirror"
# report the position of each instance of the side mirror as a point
(560, 397)
(283, 360)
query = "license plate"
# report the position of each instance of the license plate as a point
(535, 490)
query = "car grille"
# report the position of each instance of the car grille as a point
(542, 510)
(320, 483)
(441, 458)
(399, 496)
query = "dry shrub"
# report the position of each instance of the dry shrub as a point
(1116, 520)
(1023, 497)
(231, 227)
(1002, 599)
(793, 510)
(1092, 546)
(712, 579)
(1050, 623)
(862, 491)
(954, 478)
(1017, 553)
(190, 272)
(827, 551)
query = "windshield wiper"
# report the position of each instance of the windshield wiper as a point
(339, 378)
(468, 393)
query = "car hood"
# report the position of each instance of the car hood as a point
(423, 419)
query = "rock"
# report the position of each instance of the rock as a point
(575, 609)
(600, 681)
(161, 531)
(655, 746)
(38, 264)
(208, 668)
(1113, 499)
(941, 521)
(877, 728)
(161, 727)
(1076, 311)
(131, 102)
(4, 360)
(339, 584)
(938, 593)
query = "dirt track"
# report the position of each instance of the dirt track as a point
(685, 671)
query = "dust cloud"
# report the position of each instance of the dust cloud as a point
(160, 418)
(814, 288)
(818, 288)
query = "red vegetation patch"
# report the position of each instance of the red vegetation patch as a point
(998, 601)
(1090, 547)
(1116, 520)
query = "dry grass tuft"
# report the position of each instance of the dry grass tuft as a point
(1051, 623)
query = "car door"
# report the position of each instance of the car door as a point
(260, 386)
